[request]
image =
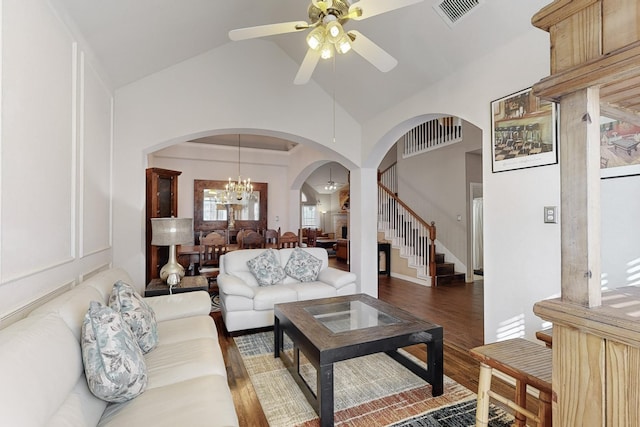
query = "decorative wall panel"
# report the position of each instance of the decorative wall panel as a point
(95, 146)
(38, 169)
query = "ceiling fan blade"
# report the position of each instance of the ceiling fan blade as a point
(372, 52)
(308, 65)
(267, 30)
(367, 8)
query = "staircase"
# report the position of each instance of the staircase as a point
(413, 237)
(445, 272)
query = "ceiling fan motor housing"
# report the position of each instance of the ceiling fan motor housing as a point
(338, 8)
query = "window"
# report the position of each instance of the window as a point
(309, 216)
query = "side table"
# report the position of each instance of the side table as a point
(187, 284)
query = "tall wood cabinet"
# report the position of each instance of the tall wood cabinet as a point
(162, 202)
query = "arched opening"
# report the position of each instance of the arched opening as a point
(440, 185)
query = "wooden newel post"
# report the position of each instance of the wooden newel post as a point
(432, 253)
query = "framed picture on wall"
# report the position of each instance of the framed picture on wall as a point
(523, 132)
(619, 153)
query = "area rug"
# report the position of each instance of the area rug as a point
(215, 303)
(371, 390)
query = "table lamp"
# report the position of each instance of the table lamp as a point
(171, 232)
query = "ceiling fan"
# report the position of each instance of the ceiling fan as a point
(327, 35)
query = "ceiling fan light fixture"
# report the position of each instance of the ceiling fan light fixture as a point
(334, 31)
(343, 45)
(327, 35)
(331, 185)
(316, 38)
(327, 51)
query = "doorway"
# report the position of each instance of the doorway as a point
(477, 239)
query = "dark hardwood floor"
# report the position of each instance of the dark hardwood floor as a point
(457, 308)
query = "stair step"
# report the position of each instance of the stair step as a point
(450, 279)
(445, 271)
(445, 268)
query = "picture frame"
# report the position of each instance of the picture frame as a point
(619, 148)
(523, 132)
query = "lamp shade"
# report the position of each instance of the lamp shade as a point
(171, 231)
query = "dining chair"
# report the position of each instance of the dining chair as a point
(312, 236)
(239, 236)
(271, 238)
(289, 240)
(212, 246)
(251, 240)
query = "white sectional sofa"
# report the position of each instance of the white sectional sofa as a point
(247, 305)
(42, 380)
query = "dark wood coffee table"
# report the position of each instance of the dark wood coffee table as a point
(329, 330)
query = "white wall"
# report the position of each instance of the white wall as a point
(620, 232)
(219, 92)
(56, 159)
(522, 255)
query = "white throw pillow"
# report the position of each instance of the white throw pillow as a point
(136, 313)
(266, 268)
(113, 362)
(303, 266)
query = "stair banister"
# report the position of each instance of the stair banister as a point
(431, 228)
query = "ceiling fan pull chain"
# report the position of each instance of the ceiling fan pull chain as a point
(334, 99)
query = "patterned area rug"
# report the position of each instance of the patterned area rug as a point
(369, 391)
(215, 303)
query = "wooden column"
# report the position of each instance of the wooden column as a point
(580, 189)
(595, 59)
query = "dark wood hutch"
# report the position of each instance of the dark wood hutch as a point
(162, 202)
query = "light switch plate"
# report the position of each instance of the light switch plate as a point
(551, 214)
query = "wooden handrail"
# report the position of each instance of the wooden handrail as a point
(431, 227)
(380, 173)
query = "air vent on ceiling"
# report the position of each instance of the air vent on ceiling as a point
(452, 11)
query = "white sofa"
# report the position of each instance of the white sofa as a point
(42, 378)
(246, 305)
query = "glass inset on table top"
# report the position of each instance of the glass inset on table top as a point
(350, 316)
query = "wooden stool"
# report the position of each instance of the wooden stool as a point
(526, 362)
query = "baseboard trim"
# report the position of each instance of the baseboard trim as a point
(412, 279)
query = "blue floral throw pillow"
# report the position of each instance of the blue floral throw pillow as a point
(266, 268)
(303, 266)
(136, 313)
(113, 363)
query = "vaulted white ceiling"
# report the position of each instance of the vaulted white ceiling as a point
(135, 38)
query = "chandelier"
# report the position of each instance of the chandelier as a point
(240, 191)
(329, 36)
(331, 185)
